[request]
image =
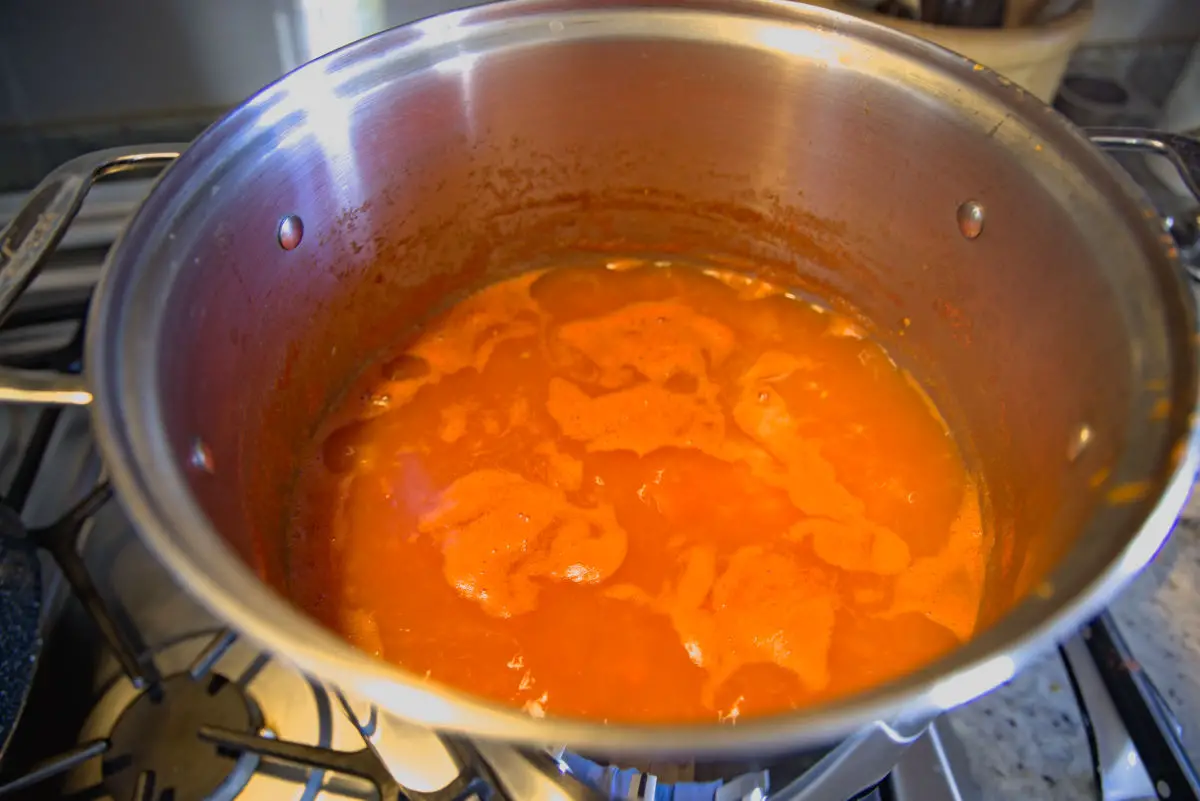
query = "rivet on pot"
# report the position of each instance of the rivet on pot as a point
(291, 231)
(201, 457)
(970, 219)
(1079, 441)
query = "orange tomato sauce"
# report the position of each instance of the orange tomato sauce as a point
(641, 493)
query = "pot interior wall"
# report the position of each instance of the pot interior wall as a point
(837, 168)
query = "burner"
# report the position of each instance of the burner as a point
(156, 753)
(289, 706)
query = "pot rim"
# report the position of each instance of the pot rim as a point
(149, 475)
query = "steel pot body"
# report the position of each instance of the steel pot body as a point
(817, 149)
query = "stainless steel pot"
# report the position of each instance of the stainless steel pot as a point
(992, 243)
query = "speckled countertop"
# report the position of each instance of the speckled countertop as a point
(1025, 740)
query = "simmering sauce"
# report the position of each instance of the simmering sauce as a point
(640, 493)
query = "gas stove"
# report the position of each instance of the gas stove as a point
(140, 695)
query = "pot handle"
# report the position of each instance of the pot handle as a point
(31, 237)
(1182, 151)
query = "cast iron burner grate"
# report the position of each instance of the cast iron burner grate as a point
(154, 751)
(196, 735)
(199, 736)
(475, 779)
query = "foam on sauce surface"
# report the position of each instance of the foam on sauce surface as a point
(651, 493)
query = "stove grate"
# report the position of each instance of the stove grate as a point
(475, 778)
